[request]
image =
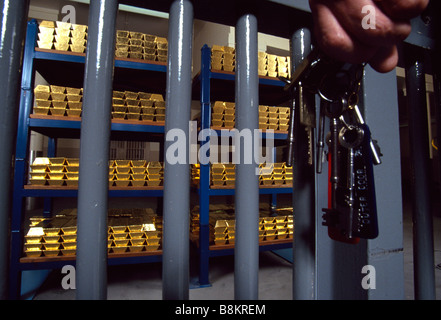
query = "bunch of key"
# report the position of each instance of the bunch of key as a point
(352, 212)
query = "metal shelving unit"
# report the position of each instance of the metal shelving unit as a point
(69, 127)
(208, 82)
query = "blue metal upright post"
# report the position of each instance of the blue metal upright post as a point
(91, 280)
(204, 181)
(246, 251)
(176, 216)
(12, 31)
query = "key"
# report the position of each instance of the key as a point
(376, 153)
(321, 139)
(354, 212)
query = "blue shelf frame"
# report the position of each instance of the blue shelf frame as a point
(26, 123)
(204, 191)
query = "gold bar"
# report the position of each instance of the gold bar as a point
(160, 117)
(75, 105)
(122, 33)
(147, 117)
(136, 35)
(38, 182)
(136, 55)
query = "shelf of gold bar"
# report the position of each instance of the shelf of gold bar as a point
(135, 173)
(51, 100)
(62, 36)
(271, 65)
(272, 229)
(55, 100)
(222, 175)
(56, 172)
(129, 231)
(223, 58)
(138, 45)
(140, 106)
(270, 117)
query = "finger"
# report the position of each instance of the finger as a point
(335, 41)
(402, 9)
(369, 24)
(385, 60)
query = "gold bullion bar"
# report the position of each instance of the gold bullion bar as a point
(136, 48)
(118, 115)
(45, 45)
(228, 68)
(122, 33)
(42, 88)
(159, 103)
(160, 117)
(144, 95)
(131, 95)
(148, 110)
(43, 103)
(79, 27)
(136, 55)
(75, 105)
(157, 97)
(218, 107)
(42, 96)
(77, 48)
(149, 37)
(58, 111)
(74, 97)
(136, 35)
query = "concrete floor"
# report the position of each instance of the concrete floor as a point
(275, 276)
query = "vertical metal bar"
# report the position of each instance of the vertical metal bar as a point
(94, 152)
(21, 152)
(303, 189)
(175, 266)
(12, 31)
(424, 275)
(246, 252)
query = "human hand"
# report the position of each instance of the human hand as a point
(340, 32)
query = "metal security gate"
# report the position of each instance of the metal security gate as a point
(322, 269)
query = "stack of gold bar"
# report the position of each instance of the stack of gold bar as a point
(129, 230)
(222, 223)
(138, 106)
(270, 117)
(275, 227)
(275, 174)
(194, 220)
(54, 171)
(223, 58)
(275, 118)
(136, 173)
(273, 66)
(223, 114)
(46, 32)
(137, 45)
(62, 36)
(195, 173)
(223, 228)
(58, 100)
(217, 174)
(78, 38)
(133, 230)
(51, 237)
